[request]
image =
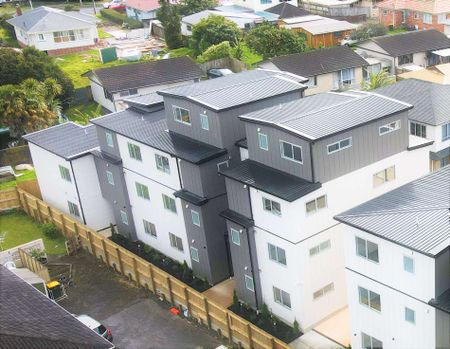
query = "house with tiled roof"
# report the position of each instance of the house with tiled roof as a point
(142, 10)
(419, 14)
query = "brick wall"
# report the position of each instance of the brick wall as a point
(389, 17)
(64, 51)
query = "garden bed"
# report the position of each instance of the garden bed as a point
(181, 271)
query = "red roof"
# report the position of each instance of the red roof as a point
(426, 6)
(143, 5)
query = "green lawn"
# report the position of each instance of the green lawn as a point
(20, 228)
(103, 35)
(5, 36)
(26, 176)
(81, 114)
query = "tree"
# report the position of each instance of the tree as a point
(168, 15)
(368, 30)
(212, 31)
(188, 7)
(30, 106)
(213, 52)
(380, 79)
(15, 67)
(270, 41)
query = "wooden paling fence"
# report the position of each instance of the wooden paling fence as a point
(9, 199)
(34, 265)
(145, 274)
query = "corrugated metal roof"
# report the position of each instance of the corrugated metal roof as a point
(431, 101)
(67, 140)
(238, 89)
(325, 114)
(415, 215)
(146, 100)
(270, 180)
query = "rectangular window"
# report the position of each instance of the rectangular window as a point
(235, 236)
(65, 173)
(272, 206)
(342, 144)
(204, 122)
(291, 151)
(142, 191)
(369, 298)
(410, 315)
(277, 254)
(263, 141)
(369, 342)
(194, 254)
(41, 37)
(195, 218)
(149, 228)
(221, 166)
(347, 76)
(367, 249)
(73, 209)
(181, 115)
(110, 177)
(109, 139)
(405, 59)
(408, 264)
(134, 151)
(445, 132)
(64, 36)
(124, 217)
(169, 203)
(162, 163)
(249, 285)
(319, 248)
(81, 34)
(323, 291)
(418, 130)
(316, 204)
(427, 18)
(281, 297)
(384, 176)
(388, 128)
(176, 242)
(124, 93)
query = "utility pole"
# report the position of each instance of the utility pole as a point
(95, 10)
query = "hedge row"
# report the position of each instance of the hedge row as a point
(120, 18)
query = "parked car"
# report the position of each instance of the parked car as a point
(218, 72)
(115, 5)
(95, 326)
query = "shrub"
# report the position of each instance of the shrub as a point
(369, 30)
(50, 230)
(120, 18)
(213, 52)
(69, 7)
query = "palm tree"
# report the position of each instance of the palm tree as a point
(380, 79)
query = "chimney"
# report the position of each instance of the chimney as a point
(18, 10)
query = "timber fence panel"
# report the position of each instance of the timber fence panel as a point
(9, 199)
(34, 265)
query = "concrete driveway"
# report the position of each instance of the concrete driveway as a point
(136, 318)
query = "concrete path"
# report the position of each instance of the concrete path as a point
(336, 327)
(222, 293)
(314, 340)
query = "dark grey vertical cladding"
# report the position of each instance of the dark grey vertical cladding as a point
(272, 157)
(442, 330)
(190, 174)
(116, 194)
(442, 271)
(208, 239)
(101, 136)
(238, 197)
(243, 257)
(367, 147)
(195, 131)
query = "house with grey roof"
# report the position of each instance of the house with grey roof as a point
(329, 69)
(55, 31)
(429, 120)
(110, 86)
(397, 249)
(66, 172)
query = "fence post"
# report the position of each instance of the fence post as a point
(89, 234)
(230, 333)
(38, 211)
(169, 286)
(63, 225)
(249, 335)
(136, 272)
(272, 342)
(186, 296)
(27, 207)
(120, 261)
(208, 317)
(50, 215)
(152, 280)
(105, 252)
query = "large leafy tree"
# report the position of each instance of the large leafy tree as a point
(188, 7)
(29, 106)
(212, 31)
(16, 66)
(270, 41)
(170, 19)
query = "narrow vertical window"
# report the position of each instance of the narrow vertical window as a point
(109, 139)
(263, 141)
(110, 177)
(204, 122)
(195, 218)
(235, 237)
(124, 217)
(249, 285)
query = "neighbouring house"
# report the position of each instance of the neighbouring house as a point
(66, 173)
(55, 31)
(29, 319)
(429, 120)
(287, 10)
(439, 74)
(142, 10)
(406, 51)
(258, 5)
(351, 10)
(330, 69)
(397, 249)
(319, 31)
(109, 86)
(418, 14)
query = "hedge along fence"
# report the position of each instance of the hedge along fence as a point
(147, 275)
(120, 18)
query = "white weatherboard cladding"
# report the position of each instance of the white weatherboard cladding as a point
(243, 153)
(97, 210)
(55, 190)
(435, 133)
(154, 212)
(389, 325)
(98, 94)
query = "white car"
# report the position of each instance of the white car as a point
(114, 4)
(95, 326)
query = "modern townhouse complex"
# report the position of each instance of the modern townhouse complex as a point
(397, 249)
(307, 160)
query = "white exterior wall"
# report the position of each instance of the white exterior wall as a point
(256, 4)
(98, 94)
(296, 232)
(327, 82)
(435, 133)
(419, 59)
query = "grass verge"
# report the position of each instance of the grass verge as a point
(81, 114)
(26, 175)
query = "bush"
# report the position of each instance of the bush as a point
(120, 18)
(369, 30)
(50, 230)
(69, 7)
(213, 52)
